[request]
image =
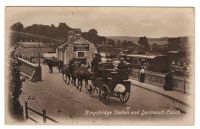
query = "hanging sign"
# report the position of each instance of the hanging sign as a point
(81, 47)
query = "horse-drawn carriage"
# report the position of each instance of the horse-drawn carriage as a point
(109, 82)
(105, 79)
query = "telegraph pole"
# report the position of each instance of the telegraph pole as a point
(39, 53)
(39, 66)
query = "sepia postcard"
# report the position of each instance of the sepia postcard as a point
(99, 65)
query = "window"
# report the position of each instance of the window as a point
(81, 54)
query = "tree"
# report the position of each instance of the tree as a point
(92, 36)
(17, 27)
(118, 43)
(155, 47)
(174, 44)
(124, 44)
(143, 41)
(93, 32)
(111, 42)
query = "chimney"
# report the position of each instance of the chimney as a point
(77, 33)
(74, 34)
(70, 35)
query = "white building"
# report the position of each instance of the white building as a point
(76, 48)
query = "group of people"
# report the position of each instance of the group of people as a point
(168, 83)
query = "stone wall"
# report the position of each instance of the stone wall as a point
(181, 84)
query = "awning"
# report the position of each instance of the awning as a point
(144, 56)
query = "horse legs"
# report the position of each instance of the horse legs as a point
(80, 83)
(68, 79)
(86, 82)
(63, 76)
(74, 80)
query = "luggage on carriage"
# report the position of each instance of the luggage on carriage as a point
(110, 82)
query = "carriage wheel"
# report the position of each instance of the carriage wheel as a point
(104, 95)
(124, 97)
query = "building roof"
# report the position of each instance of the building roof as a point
(144, 56)
(34, 44)
(174, 52)
(62, 46)
(80, 40)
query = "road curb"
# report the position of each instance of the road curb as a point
(165, 95)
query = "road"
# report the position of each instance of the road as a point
(66, 104)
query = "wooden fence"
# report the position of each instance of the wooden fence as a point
(43, 115)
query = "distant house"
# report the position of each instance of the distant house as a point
(77, 48)
(33, 49)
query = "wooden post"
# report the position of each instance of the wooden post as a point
(44, 116)
(26, 110)
(184, 84)
(150, 77)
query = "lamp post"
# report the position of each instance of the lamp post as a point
(39, 67)
(39, 53)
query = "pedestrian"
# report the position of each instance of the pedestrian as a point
(168, 85)
(141, 74)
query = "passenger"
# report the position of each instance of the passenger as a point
(115, 63)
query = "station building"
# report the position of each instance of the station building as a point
(32, 50)
(76, 48)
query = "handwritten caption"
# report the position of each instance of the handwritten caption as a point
(131, 112)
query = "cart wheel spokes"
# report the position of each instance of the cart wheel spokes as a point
(124, 97)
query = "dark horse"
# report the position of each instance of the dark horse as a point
(82, 74)
(52, 63)
(67, 74)
(78, 73)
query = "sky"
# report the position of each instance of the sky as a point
(110, 21)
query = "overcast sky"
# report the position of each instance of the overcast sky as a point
(110, 21)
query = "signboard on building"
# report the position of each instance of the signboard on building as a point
(81, 47)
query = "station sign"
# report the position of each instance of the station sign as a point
(81, 47)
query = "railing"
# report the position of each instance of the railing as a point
(43, 114)
(180, 84)
(30, 70)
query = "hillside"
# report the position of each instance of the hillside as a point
(16, 36)
(122, 38)
(159, 41)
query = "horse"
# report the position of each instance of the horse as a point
(66, 74)
(60, 66)
(82, 74)
(52, 63)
